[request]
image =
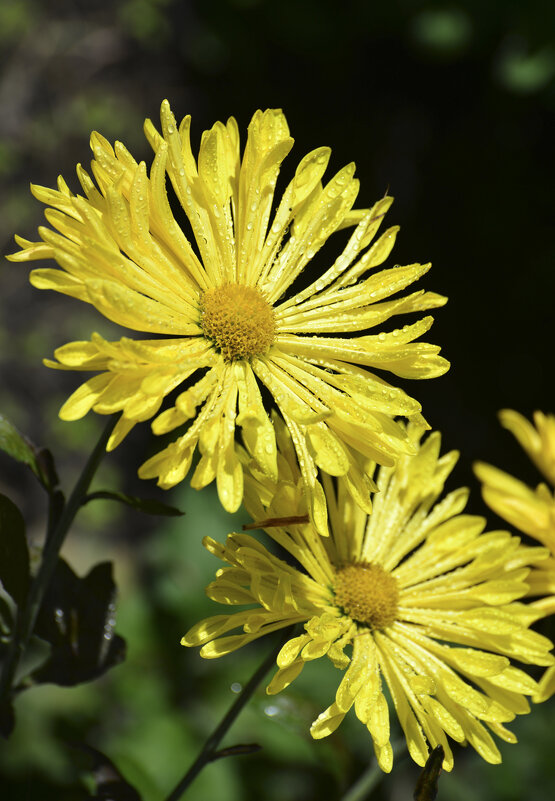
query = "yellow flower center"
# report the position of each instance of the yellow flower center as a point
(367, 593)
(238, 319)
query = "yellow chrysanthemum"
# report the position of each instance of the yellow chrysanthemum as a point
(529, 510)
(221, 309)
(394, 589)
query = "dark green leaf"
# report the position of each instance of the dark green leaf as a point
(77, 618)
(7, 719)
(110, 784)
(14, 553)
(20, 448)
(6, 617)
(36, 653)
(149, 506)
(426, 786)
(47, 469)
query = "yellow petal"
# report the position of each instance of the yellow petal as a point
(84, 398)
(327, 722)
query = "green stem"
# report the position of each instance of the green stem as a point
(362, 788)
(27, 616)
(209, 750)
(372, 776)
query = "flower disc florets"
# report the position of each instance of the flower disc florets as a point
(239, 321)
(367, 593)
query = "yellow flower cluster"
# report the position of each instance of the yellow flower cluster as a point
(531, 511)
(267, 345)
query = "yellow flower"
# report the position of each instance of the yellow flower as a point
(395, 590)
(530, 510)
(222, 301)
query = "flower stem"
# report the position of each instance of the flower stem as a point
(361, 789)
(209, 750)
(372, 776)
(27, 616)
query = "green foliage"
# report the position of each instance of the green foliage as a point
(150, 506)
(20, 448)
(77, 618)
(16, 18)
(14, 552)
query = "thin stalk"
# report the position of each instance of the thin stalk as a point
(209, 749)
(56, 535)
(361, 789)
(372, 776)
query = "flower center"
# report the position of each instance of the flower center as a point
(367, 594)
(238, 320)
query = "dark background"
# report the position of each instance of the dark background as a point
(451, 106)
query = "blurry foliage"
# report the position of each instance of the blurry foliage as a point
(147, 21)
(451, 104)
(445, 31)
(523, 71)
(16, 18)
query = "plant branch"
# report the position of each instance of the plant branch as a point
(57, 531)
(209, 750)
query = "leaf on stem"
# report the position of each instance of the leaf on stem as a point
(426, 786)
(235, 750)
(149, 506)
(77, 618)
(23, 450)
(14, 552)
(6, 619)
(7, 718)
(110, 784)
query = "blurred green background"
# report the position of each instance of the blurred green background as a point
(451, 106)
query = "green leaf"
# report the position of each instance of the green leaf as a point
(77, 618)
(14, 552)
(36, 653)
(110, 784)
(23, 450)
(6, 617)
(7, 718)
(150, 506)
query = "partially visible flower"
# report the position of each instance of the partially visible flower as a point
(415, 595)
(226, 322)
(532, 511)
